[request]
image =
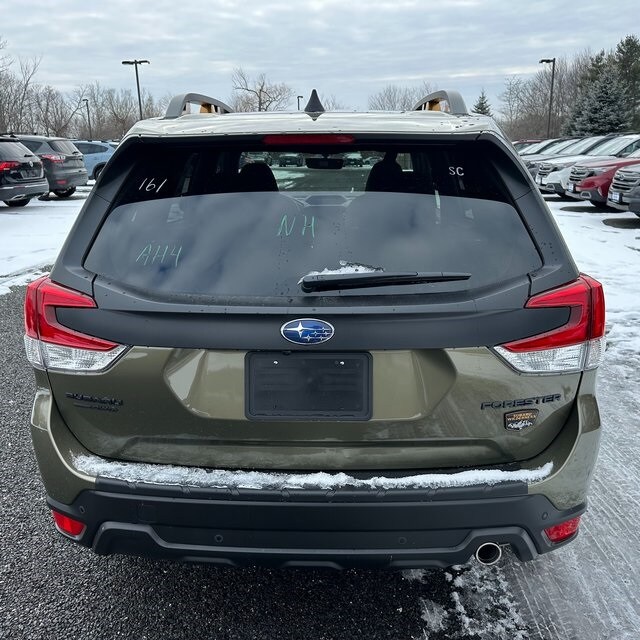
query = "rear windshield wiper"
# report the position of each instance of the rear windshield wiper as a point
(329, 282)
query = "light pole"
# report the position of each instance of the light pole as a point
(299, 98)
(86, 102)
(135, 63)
(553, 74)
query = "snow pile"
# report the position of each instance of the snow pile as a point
(345, 268)
(220, 478)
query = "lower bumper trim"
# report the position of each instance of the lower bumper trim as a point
(425, 529)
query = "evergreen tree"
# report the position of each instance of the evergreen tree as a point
(482, 105)
(627, 60)
(599, 110)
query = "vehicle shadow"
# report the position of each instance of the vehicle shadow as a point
(623, 223)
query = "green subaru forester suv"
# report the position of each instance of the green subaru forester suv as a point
(387, 365)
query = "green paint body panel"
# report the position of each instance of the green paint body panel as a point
(186, 407)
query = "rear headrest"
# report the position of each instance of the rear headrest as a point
(385, 175)
(256, 176)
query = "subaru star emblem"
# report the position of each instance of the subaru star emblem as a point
(307, 331)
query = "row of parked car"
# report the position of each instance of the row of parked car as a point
(33, 166)
(604, 170)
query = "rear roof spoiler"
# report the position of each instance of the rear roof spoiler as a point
(446, 101)
(178, 105)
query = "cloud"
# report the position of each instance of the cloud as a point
(347, 49)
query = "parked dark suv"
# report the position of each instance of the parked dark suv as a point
(391, 367)
(21, 174)
(63, 163)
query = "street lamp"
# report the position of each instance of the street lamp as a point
(135, 63)
(86, 102)
(299, 98)
(553, 74)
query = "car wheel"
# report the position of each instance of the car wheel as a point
(65, 193)
(17, 203)
(97, 171)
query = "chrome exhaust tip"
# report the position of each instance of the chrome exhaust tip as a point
(488, 553)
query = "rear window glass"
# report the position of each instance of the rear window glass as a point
(10, 150)
(63, 146)
(232, 223)
(32, 145)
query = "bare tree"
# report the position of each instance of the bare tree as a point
(5, 60)
(258, 94)
(55, 111)
(331, 103)
(122, 109)
(397, 98)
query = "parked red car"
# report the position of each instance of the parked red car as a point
(591, 180)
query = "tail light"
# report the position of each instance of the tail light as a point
(8, 165)
(575, 346)
(563, 531)
(52, 157)
(49, 344)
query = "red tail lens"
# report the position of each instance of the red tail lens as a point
(277, 140)
(42, 299)
(68, 526)
(8, 165)
(585, 298)
(564, 530)
(52, 157)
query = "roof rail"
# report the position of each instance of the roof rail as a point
(446, 101)
(179, 103)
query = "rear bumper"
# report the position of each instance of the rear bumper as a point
(299, 527)
(62, 179)
(22, 191)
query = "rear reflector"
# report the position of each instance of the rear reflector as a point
(575, 346)
(50, 345)
(68, 526)
(564, 530)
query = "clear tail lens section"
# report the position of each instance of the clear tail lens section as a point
(50, 345)
(577, 345)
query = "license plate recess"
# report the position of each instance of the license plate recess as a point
(308, 386)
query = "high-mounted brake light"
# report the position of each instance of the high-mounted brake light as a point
(576, 345)
(51, 345)
(304, 138)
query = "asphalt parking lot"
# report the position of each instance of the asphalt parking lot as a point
(590, 590)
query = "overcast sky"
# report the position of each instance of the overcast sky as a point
(349, 49)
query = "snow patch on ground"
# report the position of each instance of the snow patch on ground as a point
(480, 605)
(220, 478)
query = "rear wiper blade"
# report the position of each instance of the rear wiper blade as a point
(329, 282)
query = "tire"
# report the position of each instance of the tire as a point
(17, 203)
(65, 193)
(97, 171)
